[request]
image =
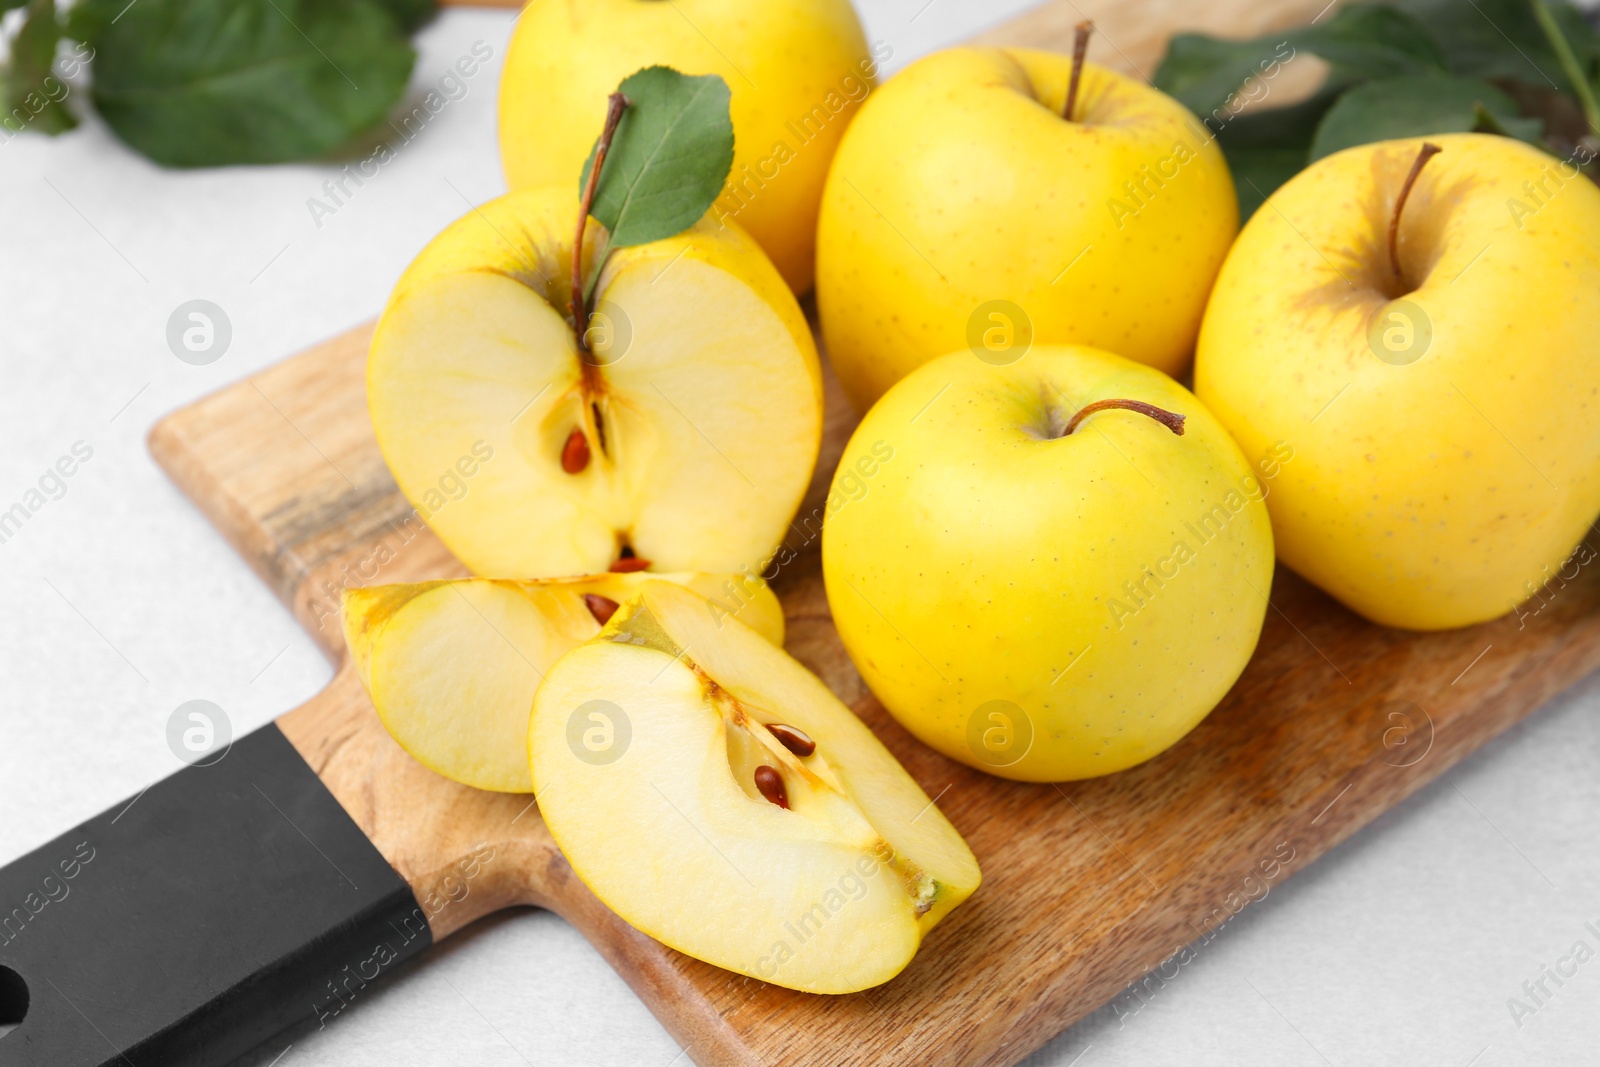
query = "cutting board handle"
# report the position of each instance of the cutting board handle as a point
(196, 920)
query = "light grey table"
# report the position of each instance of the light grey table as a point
(121, 603)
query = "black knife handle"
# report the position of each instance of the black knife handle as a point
(219, 907)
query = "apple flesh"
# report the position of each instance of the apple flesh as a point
(1039, 604)
(683, 435)
(452, 666)
(963, 211)
(674, 808)
(1443, 423)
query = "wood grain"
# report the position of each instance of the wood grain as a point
(1088, 886)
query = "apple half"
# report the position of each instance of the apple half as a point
(683, 432)
(681, 761)
(452, 666)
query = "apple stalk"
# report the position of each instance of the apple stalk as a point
(1080, 48)
(580, 312)
(1170, 419)
(1425, 153)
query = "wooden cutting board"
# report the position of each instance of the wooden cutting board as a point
(1086, 885)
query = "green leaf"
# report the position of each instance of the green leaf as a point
(1578, 75)
(1502, 39)
(669, 159)
(31, 94)
(1266, 148)
(1529, 130)
(208, 82)
(1408, 107)
(1200, 72)
(1373, 41)
(409, 15)
(1359, 41)
(1257, 173)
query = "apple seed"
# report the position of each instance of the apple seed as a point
(629, 564)
(601, 607)
(575, 453)
(770, 783)
(792, 738)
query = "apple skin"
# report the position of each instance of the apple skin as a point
(979, 557)
(1444, 491)
(784, 61)
(959, 183)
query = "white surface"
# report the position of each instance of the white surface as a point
(1402, 947)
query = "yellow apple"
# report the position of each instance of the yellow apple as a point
(452, 666)
(1038, 599)
(963, 211)
(715, 794)
(684, 436)
(1444, 419)
(797, 70)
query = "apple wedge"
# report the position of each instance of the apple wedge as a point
(452, 666)
(683, 432)
(681, 761)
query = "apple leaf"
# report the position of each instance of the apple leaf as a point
(30, 94)
(206, 82)
(1257, 172)
(410, 15)
(1400, 69)
(1502, 39)
(669, 159)
(1267, 147)
(1529, 130)
(1409, 107)
(1360, 41)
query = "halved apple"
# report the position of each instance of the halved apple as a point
(682, 764)
(452, 666)
(683, 431)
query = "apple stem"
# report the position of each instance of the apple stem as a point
(1427, 152)
(1080, 48)
(580, 313)
(1171, 420)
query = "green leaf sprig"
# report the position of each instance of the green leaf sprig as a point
(1409, 68)
(193, 83)
(659, 164)
(30, 94)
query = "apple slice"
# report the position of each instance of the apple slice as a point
(452, 666)
(684, 434)
(683, 765)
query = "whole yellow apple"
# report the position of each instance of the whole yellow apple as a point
(963, 210)
(1442, 417)
(1037, 581)
(797, 71)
